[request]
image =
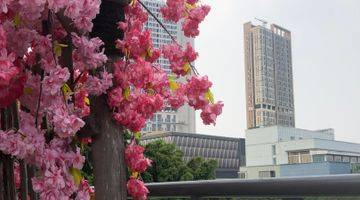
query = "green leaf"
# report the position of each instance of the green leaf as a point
(76, 174)
(87, 101)
(173, 85)
(137, 135)
(66, 90)
(209, 96)
(17, 20)
(58, 48)
(186, 67)
(126, 93)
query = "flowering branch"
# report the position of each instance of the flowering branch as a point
(78, 94)
(167, 31)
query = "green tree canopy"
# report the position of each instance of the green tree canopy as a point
(168, 164)
(202, 169)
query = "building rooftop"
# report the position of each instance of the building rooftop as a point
(152, 135)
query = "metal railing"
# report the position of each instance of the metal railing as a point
(333, 185)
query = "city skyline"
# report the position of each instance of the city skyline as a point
(325, 61)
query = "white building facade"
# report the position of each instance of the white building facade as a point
(286, 151)
(183, 119)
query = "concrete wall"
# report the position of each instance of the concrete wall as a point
(253, 172)
(337, 146)
(257, 155)
(310, 169)
(289, 133)
(282, 134)
(262, 135)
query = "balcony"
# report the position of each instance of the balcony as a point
(298, 188)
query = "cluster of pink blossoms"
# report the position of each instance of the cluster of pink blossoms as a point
(189, 10)
(142, 88)
(50, 92)
(31, 71)
(180, 60)
(11, 78)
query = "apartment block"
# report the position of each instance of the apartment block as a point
(269, 76)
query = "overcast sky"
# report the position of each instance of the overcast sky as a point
(326, 61)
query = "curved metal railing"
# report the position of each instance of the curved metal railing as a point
(333, 185)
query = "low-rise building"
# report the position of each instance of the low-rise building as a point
(229, 152)
(286, 151)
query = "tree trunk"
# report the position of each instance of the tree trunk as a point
(8, 119)
(31, 173)
(24, 180)
(2, 190)
(9, 184)
(108, 154)
(108, 144)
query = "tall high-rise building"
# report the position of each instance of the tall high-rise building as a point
(183, 119)
(269, 76)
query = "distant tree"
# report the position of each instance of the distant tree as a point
(202, 169)
(168, 164)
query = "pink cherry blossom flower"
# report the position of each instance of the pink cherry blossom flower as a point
(210, 113)
(193, 15)
(174, 10)
(81, 98)
(87, 54)
(137, 189)
(3, 38)
(84, 191)
(7, 69)
(196, 89)
(135, 159)
(55, 80)
(4, 5)
(97, 86)
(191, 24)
(179, 59)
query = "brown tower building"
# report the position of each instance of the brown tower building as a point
(269, 76)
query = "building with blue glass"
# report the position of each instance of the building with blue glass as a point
(278, 151)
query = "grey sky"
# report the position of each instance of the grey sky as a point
(326, 61)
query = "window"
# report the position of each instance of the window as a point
(294, 158)
(305, 158)
(266, 174)
(329, 158)
(318, 158)
(346, 159)
(337, 158)
(159, 127)
(272, 173)
(273, 147)
(353, 160)
(159, 118)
